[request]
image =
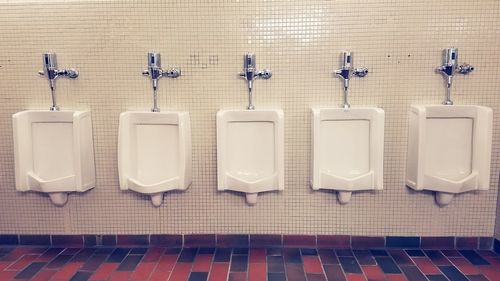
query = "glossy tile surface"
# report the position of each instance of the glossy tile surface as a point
(254, 264)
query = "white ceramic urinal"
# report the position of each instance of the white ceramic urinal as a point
(449, 149)
(53, 152)
(154, 152)
(250, 146)
(348, 150)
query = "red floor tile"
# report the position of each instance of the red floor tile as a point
(166, 263)
(312, 264)
(219, 271)
(202, 263)
(373, 273)
(120, 276)
(395, 277)
(23, 262)
(180, 272)
(257, 255)
(426, 266)
(44, 275)
(104, 271)
(464, 266)
(143, 271)
(7, 275)
(355, 277)
(66, 272)
(257, 271)
(159, 276)
(490, 272)
(4, 264)
(153, 254)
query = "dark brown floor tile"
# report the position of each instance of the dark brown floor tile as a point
(275, 264)
(187, 255)
(232, 240)
(299, 241)
(7, 239)
(438, 243)
(295, 272)
(259, 241)
(400, 257)
(328, 256)
(333, 241)
(30, 270)
(334, 272)
(239, 264)
(412, 273)
(199, 240)
(132, 240)
(67, 240)
(58, 262)
(129, 263)
(83, 255)
(451, 253)
(364, 257)
(109, 240)
(166, 240)
(42, 240)
(292, 255)
(436, 257)
(366, 242)
(467, 242)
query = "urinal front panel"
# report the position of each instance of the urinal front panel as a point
(53, 151)
(251, 149)
(345, 147)
(348, 148)
(56, 149)
(156, 152)
(449, 148)
(449, 144)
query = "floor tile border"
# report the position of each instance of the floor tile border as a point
(254, 241)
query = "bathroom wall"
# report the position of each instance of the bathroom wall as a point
(107, 40)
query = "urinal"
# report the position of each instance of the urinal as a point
(53, 152)
(347, 150)
(154, 152)
(449, 149)
(250, 146)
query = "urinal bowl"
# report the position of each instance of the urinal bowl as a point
(449, 149)
(154, 152)
(250, 151)
(53, 152)
(348, 149)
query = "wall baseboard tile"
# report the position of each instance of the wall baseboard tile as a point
(254, 241)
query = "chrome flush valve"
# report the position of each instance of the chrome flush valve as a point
(346, 72)
(156, 72)
(52, 73)
(449, 68)
(250, 73)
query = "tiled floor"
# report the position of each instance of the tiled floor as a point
(238, 264)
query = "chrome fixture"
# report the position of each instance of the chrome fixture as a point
(346, 72)
(449, 68)
(50, 70)
(155, 72)
(250, 73)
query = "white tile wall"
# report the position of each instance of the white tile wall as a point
(107, 40)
